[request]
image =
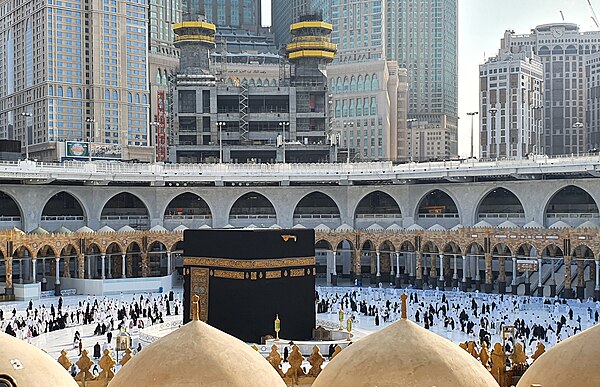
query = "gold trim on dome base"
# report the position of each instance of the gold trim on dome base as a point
(249, 264)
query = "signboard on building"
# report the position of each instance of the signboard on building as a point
(86, 150)
(527, 265)
(77, 149)
(106, 151)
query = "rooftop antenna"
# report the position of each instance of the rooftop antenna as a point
(562, 15)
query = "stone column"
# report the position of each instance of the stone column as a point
(411, 265)
(469, 275)
(9, 290)
(44, 282)
(57, 281)
(103, 269)
(489, 275)
(597, 287)
(124, 266)
(378, 275)
(568, 289)
(168, 262)
(81, 265)
(463, 284)
(33, 270)
(580, 279)
(502, 275)
(67, 270)
(89, 267)
(356, 267)
(21, 270)
(129, 260)
(455, 274)
(514, 275)
(540, 289)
(419, 271)
(433, 268)
(553, 279)
(334, 271)
(477, 272)
(145, 264)
(441, 278)
(398, 279)
(110, 261)
(392, 272)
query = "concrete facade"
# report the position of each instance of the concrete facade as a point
(71, 63)
(511, 105)
(563, 49)
(534, 197)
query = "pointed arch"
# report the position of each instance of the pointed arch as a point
(498, 205)
(63, 206)
(125, 209)
(253, 206)
(571, 204)
(188, 209)
(316, 205)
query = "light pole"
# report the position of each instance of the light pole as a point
(409, 124)
(153, 124)
(91, 122)
(472, 114)
(25, 115)
(578, 125)
(283, 124)
(347, 140)
(220, 124)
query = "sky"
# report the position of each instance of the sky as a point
(481, 25)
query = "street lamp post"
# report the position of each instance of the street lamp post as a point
(153, 124)
(220, 124)
(409, 124)
(25, 116)
(472, 114)
(91, 123)
(283, 124)
(347, 125)
(578, 126)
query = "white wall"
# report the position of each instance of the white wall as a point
(118, 285)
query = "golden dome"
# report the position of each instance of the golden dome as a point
(404, 354)
(197, 355)
(573, 362)
(23, 364)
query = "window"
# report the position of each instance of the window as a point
(187, 101)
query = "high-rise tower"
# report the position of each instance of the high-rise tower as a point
(194, 40)
(563, 50)
(423, 39)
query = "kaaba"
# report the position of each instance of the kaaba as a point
(245, 278)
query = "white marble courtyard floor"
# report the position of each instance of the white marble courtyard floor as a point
(529, 308)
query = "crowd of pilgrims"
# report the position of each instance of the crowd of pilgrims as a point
(108, 314)
(468, 316)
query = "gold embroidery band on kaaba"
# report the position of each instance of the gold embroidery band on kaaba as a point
(199, 285)
(278, 263)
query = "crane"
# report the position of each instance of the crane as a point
(594, 17)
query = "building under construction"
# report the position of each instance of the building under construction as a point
(253, 105)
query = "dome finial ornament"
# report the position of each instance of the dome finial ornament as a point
(195, 307)
(403, 297)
